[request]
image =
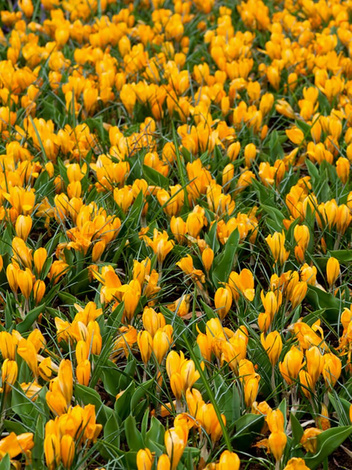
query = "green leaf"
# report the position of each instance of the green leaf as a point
(323, 300)
(128, 373)
(343, 256)
(212, 239)
(5, 463)
(249, 422)
(328, 441)
(123, 404)
(305, 128)
(38, 449)
(275, 217)
(112, 431)
(115, 317)
(30, 318)
(224, 263)
(228, 399)
(342, 408)
(297, 430)
(155, 178)
(135, 212)
(133, 436)
(141, 391)
(156, 432)
(111, 376)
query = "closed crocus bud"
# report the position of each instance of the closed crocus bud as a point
(152, 321)
(227, 176)
(98, 250)
(273, 75)
(276, 244)
(343, 169)
(178, 228)
(23, 226)
(205, 346)
(302, 236)
(309, 439)
(272, 344)
(250, 152)
(39, 257)
(9, 372)
(276, 421)
(25, 282)
(161, 344)
(52, 450)
(229, 461)
(331, 369)
(194, 224)
(251, 388)
(296, 464)
(145, 344)
(38, 291)
(8, 345)
(83, 372)
(67, 450)
(225, 105)
(223, 301)
(175, 443)
(306, 382)
(298, 293)
(315, 363)
(266, 103)
(163, 463)
(144, 459)
(65, 379)
(350, 413)
(291, 365)
(207, 258)
(277, 443)
(332, 270)
(233, 151)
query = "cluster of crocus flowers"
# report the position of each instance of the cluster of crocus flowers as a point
(24, 273)
(150, 197)
(226, 345)
(277, 439)
(68, 434)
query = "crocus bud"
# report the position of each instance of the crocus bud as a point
(144, 459)
(164, 463)
(272, 344)
(207, 258)
(343, 169)
(277, 443)
(223, 301)
(83, 372)
(23, 226)
(229, 461)
(250, 152)
(331, 369)
(291, 365)
(9, 373)
(67, 450)
(25, 282)
(175, 443)
(38, 291)
(332, 270)
(145, 344)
